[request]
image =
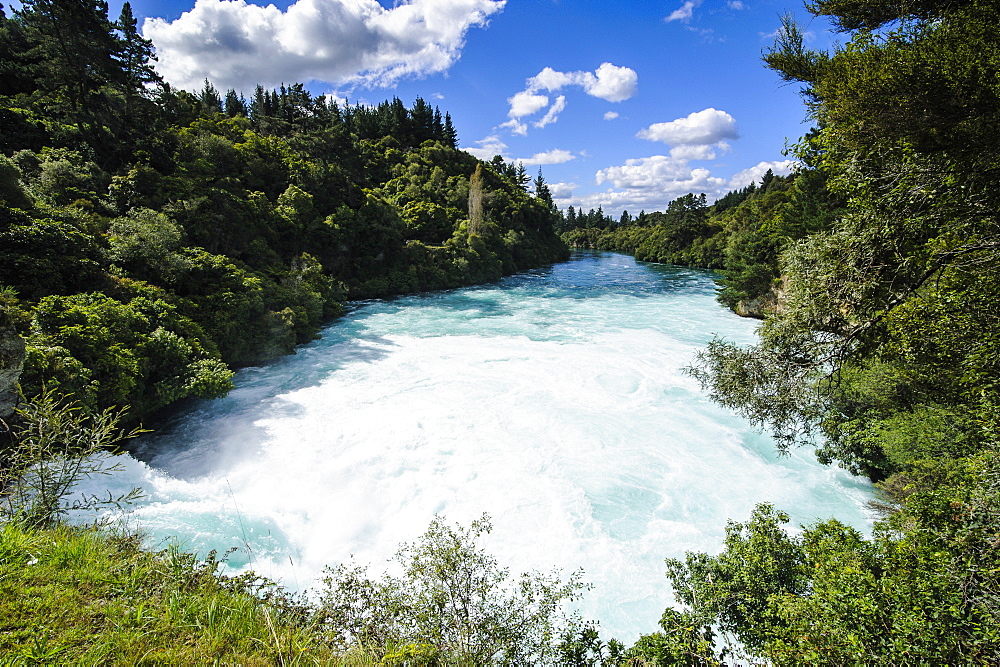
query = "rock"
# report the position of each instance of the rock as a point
(12, 352)
(767, 304)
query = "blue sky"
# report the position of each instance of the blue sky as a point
(625, 105)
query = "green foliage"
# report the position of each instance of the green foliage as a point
(453, 604)
(108, 352)
(734, 588)
(253, 220)
(741, 235)
(56, 445)
(922, 590)
(883, 339)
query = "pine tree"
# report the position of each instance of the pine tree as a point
(209, 98)
(542, 191)
(75, 55)
(234, 105)
(449, 134)
(136, 54)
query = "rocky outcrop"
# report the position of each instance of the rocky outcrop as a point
(12, 350)
(767, 304)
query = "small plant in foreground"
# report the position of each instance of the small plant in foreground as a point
(56, 446)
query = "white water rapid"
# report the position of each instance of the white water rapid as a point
(553, 400)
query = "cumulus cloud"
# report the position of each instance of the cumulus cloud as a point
(554, 156)
(610, 115)
(660, 172)
(526, 103)
(708, 126)
(516, 126)
(487, 147)
(608, 82)
(235, 44)
(753, 175)
(614, 84)
(684, 12)
(562, 191)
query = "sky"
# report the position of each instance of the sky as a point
(624, 105)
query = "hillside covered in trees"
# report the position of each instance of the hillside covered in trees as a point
(152, 239)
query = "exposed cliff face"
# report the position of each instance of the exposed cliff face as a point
(764, 305)
(12, 350)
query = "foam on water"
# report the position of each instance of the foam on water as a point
(554, 401)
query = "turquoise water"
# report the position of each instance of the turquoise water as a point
(553, 401)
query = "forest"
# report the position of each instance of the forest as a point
(153, 240)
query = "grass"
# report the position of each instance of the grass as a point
(72, 595)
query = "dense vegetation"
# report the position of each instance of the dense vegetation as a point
(152, 239)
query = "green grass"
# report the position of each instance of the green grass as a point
(84, 596)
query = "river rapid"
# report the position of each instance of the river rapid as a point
(553, 400)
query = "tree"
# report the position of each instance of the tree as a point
(454, 604)
(477, 215)
(905, 121)
(75, 57)
(542, 191)
(234, 105)
(135, 54)
(209, 98)
(450, 135)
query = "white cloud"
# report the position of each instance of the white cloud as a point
(608, 82)
(659, 173)
(235, 44)
(562, 191)
(487, 148)
(526, 103)
(614, 84)
(516, 126)
(552, 115)
(708, 126)
(684, 12)
(554, 156)
(753, 175)
(651, 183)
(736, 4)
(701, 152)
(648, 183)
(551, 80)
(610, 115)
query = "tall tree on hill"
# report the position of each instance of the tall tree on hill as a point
(449, 134)
(75, 56)
(542, 191)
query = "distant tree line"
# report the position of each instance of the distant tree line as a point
(740, 235)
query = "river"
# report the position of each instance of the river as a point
(553, 400)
